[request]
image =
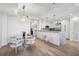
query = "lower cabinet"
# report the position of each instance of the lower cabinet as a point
(52, 37)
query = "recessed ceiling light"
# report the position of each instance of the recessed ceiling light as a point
(70, 14)
(75, 18)
(77, 4)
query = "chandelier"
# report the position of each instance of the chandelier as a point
(23, 16)
(22, 11)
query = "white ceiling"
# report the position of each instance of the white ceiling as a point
(42, 10)
(8, 8)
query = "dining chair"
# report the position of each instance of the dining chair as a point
(16, 42)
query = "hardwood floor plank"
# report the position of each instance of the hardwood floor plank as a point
(42, 48)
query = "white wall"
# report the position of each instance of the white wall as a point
(54, 24)
(74, 30)
(42, 24)
(16, 26)
(65, 27)
(3, 29)
(0, 29)
(11, 26)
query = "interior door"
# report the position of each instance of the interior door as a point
(76, 31)
(0, 30)
(0, 35)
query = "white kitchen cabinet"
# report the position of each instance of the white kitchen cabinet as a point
(56, 38)
(41, 35)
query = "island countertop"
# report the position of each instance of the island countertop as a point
(55, 37)
(49, 31)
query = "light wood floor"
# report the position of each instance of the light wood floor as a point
(42, 48)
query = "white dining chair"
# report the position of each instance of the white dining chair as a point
(30, 40)
(15, 43)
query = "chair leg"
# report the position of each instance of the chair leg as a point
(16, 51)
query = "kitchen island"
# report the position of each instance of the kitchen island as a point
(54, 37)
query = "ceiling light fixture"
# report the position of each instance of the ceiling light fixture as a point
(23, 17)
(22, 11)
(53, 3)
(77, 4)
(75, 18)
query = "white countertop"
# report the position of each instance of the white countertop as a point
(55, 37)
(49, 31)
